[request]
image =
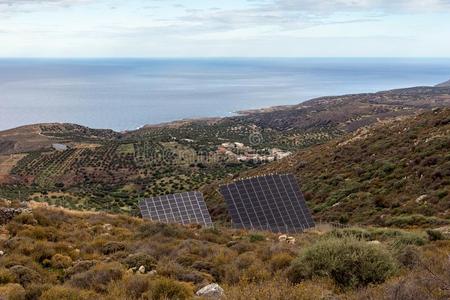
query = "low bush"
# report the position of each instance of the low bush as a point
(408, 256)
(35, 291)
(357, 233)
(60, 261)
(409, 238)
(79, 267)
(256, 272)
(12, 291)
(150, 229)
(113, 247)
(349, 262)
(67, 293)
(280, 261)
(24, 275)
(256, 238)
(164, 288)
(6, 276)
(40, 233)
(97, 278)
(435, 235)
(140, 259)
(42, 251)
(415, 220)
(25, 218)
(244, 260)
(136, 285)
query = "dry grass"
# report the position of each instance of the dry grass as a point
(59, 254)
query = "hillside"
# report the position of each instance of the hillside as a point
(394, 173)
(105, 170)
(444, 84)
(50, 253)
(42, 136)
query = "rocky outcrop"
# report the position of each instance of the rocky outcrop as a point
(7, 213)
(211, 291)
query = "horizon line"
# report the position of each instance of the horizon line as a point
(224, 57)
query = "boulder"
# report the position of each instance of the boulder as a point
(141, 270)
(421, 198)
(211, 291)
(291, 240)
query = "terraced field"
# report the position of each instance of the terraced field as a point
(99, 166)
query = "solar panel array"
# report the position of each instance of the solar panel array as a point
(182, 208)
(272, 202)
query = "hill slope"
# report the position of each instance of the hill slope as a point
(106, 170)
(444, 84)
(393, 173)
(50, 253)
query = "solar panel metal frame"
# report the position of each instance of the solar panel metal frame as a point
(272, 202)
(181, 208)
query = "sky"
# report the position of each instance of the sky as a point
(227, 28)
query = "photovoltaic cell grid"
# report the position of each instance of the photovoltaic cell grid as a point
(183, 208)
(272, 202)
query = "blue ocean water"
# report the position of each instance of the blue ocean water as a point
(127, 93)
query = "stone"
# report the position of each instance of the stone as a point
(107, 227)
(291, 240)
(141, 270)
(211, 291)
(282, 238)
(2, 253)
(374, 242)
(153, 273)
(421, 198)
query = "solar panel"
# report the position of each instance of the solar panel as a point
(182, 208)
(272, 202)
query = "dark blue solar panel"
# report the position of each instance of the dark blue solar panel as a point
(183, 208)
(272, 202)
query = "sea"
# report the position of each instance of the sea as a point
(125, 94)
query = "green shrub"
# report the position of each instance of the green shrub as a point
(6, 276)
(256, 238)
(141, 259)
(357, 233)
(415, 220)
(163, 288)
(409, 238)
(435, 235)
(349, 262)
